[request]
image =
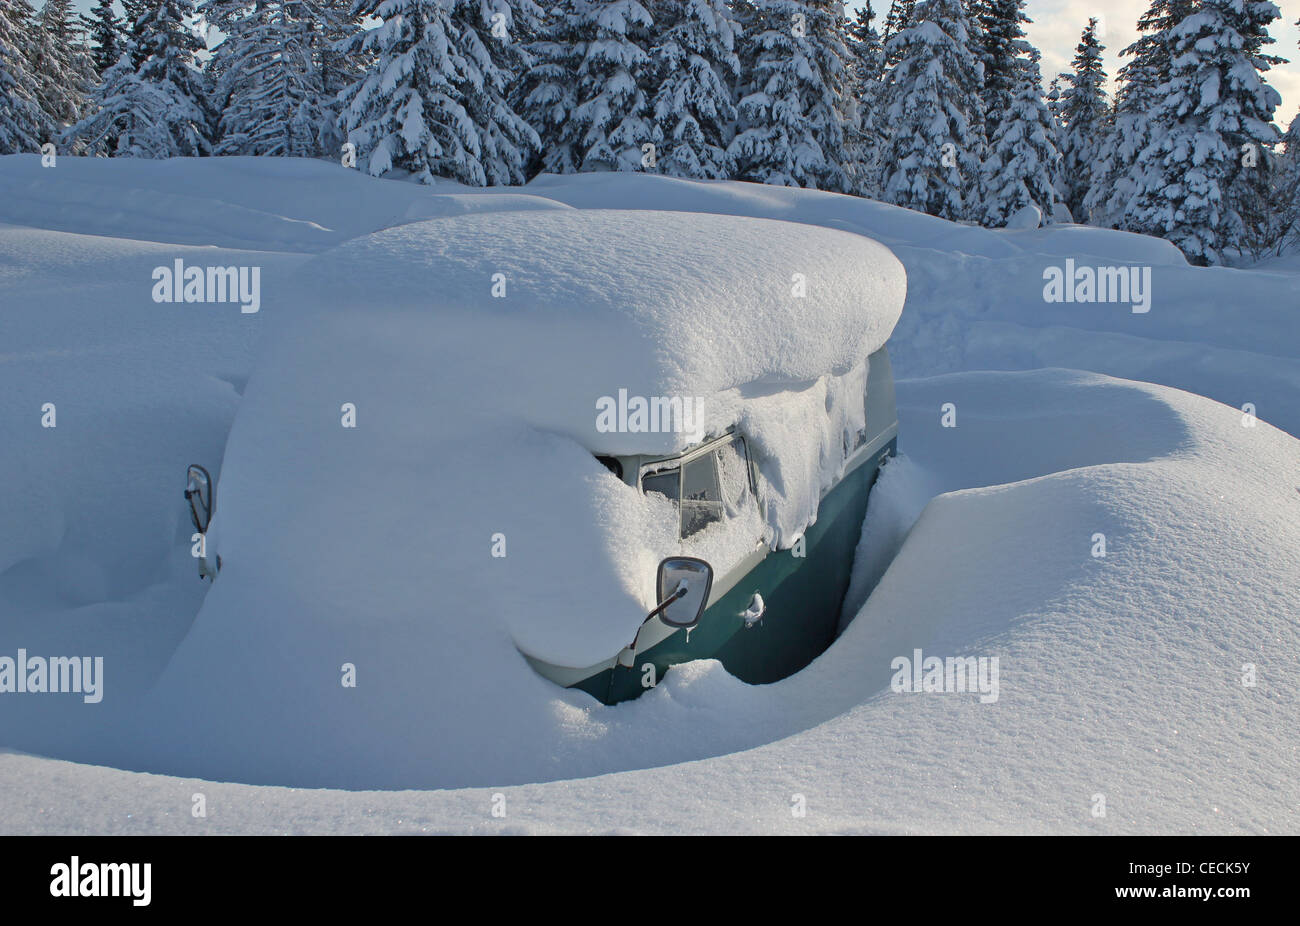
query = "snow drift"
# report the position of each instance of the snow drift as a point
(1122, 676)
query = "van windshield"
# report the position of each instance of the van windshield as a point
(666, 482)
(708, 488)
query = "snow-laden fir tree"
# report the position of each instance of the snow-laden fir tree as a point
(932, 116)
(694, 66)
(132, 14)
(588, 92)
(24, 126)
(793, 95)
(158, 108)
(1054, 98)
(866, 48)
(1002, 51)
(106, 31)
(1023, 167)
(268, 77)
(1215, 110)
(1250, 188)
(1111, 197)
(897, 19)
(866, 66)
(434, 103)
(1287, 187)
(61, 65)
(325, 56)
(341, 61)
(1085, 122)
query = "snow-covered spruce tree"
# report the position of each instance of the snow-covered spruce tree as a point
(932, 116)
(61, 65)
(1215, 102)
(1054, 98)
(588, 91)
(694, 66)
(107, 35)
(24, 126)
(254, 83)
(1287, 191)
(897, 19)
(267, 83)
(866, 48)
(158, 108)
(434, 102)
(1110, 200)
(866, 65)
(1003, 51)
(1023, 167)
(1249, 189)
(793, 95)
(341, 62)
(132, 13)
(1084, 116)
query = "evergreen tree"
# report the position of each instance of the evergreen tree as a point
(1084, 114)
(694, 66)
(1023, 168)
(1249, 127)
(61, 64)
(1111, 196)
(1003, 51)
(434, 103)
(133, 12)
(1287, 235)
(588, 92)
(866, 65)
(158, 108)
(106, 31)
(24, 126)
(1214, 103)
(268, 81)
(932, 115)
(866, 48)
(899, 17)
(793, 97)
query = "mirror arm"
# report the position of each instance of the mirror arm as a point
(659, 609)
(661, 606)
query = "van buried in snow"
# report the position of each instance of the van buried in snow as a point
(627, 438)
(763, 613)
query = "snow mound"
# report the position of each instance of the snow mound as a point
(1119, 676)
(269, 204)
(545, 312)
(1122, 676)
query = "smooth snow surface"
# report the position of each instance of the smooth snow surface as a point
(1120, 675)
(546, 312)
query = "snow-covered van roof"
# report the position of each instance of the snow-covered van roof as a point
(551, 310)
(413, 457)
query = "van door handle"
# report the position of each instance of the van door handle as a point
(754, 613)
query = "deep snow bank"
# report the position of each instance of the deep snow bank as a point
(1120, 676)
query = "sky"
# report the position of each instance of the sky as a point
(1057, 25)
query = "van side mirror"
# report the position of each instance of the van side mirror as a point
(198, 492)
(684, 583)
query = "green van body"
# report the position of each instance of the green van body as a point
(803, 595)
